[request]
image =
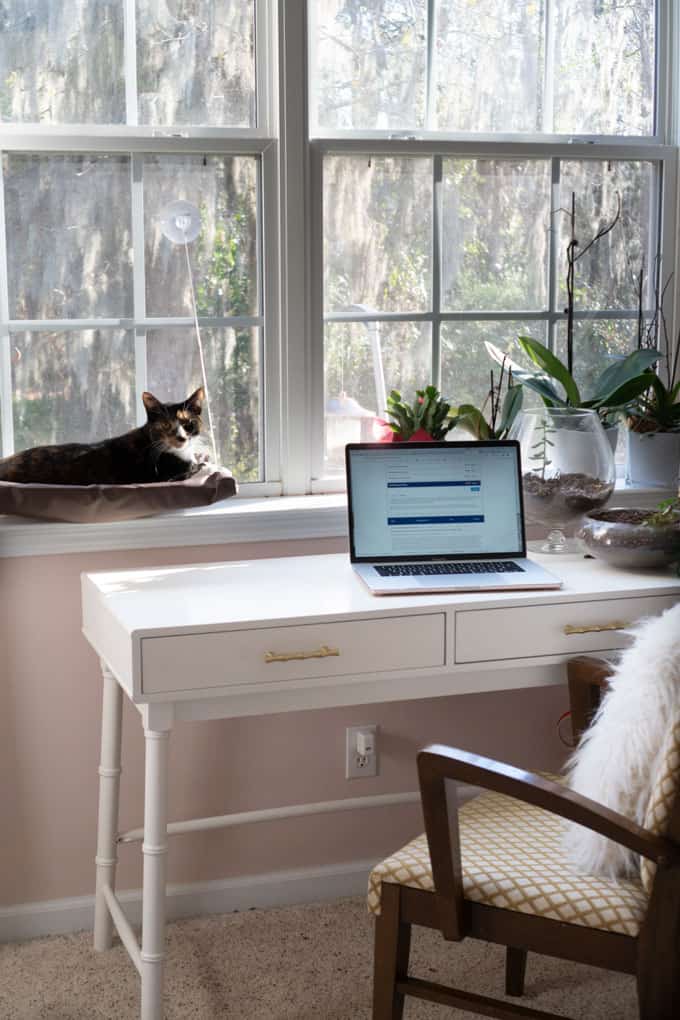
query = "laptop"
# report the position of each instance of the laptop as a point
(439, 517)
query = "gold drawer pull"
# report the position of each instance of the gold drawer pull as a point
(596, 627)
(318, 653)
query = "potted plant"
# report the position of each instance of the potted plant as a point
(613, 391)
(634, 538)
(653, 436)
(653, 416)
(426, 420)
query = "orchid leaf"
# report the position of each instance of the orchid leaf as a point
(621, 372)
(511, 407)
(536, 381)
(548, 362)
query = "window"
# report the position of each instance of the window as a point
(381, 187)
(112, 110)
(450, 138)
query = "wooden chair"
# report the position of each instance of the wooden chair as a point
(516, 888)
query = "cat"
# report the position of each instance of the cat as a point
(167, 448)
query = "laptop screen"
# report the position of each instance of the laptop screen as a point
(434, 500)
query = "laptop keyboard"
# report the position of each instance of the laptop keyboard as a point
(473, 567)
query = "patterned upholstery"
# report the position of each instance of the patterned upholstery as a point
(665, 787)
(512, 858)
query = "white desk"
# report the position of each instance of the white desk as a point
(221, 640)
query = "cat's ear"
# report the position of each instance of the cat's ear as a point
(152, 405)
(195, 401)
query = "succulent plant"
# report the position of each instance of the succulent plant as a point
(429, 414)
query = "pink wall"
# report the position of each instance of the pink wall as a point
(50, 700)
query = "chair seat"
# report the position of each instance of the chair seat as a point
(512, 858)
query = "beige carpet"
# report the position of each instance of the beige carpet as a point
(296, 963)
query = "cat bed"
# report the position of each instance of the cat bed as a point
(96, 504)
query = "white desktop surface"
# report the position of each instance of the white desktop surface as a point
(314, 587)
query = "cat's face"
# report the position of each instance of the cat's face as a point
(175, 428)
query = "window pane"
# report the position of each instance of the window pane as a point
(377, 233)
(605, 275)
(353, 351)
(489, 65)
(597, 344)
(604, 67)
(369, 63)
(72, 387)
(68, 256)
(566, 66)
(62, 63)
(224, 255)
(466, 365)
(196, 62)
(232, 362)
(495, 234)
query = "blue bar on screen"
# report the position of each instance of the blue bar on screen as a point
(458, 519)
(427, 485)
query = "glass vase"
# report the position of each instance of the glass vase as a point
(567, 469)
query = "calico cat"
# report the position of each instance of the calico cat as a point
(166, 448)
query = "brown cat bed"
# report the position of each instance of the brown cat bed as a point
(96, 504)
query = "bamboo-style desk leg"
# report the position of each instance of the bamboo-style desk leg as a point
(155, 850)
(109, 788)
(149, 961)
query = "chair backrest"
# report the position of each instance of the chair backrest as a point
(663, 810)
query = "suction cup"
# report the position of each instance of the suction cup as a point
(180, 221)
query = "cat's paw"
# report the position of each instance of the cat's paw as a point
(202, 457)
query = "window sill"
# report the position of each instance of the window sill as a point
(269, 519)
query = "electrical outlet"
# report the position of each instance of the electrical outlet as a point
(359, 765)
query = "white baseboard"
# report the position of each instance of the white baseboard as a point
(281, 888)
(277, 889)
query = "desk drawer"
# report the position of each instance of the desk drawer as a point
(524, 632)
(225, 658)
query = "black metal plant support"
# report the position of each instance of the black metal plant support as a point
(573, 256)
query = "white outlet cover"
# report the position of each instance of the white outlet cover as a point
(353, 768)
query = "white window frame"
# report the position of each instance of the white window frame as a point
(137, 141)
(291, 245)
(656, 148)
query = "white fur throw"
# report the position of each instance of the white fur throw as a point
(618, 756)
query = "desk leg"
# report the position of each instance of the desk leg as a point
(155, 851)
(109, 787)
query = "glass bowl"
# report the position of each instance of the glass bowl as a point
(621, 537)
(567, 469)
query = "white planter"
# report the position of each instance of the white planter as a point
(612, 434)
(653, 459)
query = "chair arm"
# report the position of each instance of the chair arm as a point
(441, 762)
